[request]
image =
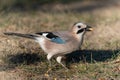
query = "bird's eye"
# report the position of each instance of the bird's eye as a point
(79, 26)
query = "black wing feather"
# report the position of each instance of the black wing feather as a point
(50, 35)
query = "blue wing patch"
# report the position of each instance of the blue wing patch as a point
(58, 40)
(52, 37)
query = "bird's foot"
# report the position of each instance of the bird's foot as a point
(47, 72)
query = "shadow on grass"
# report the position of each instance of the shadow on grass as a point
(25, 58)
(89, 56)
(13, 61)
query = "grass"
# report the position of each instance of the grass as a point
(98, 59)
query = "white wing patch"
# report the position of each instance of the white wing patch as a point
(45, 34)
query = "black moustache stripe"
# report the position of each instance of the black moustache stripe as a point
(81, 30)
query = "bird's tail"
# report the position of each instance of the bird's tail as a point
(30, 36)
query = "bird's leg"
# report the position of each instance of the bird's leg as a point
(58, 59)
(49, 56)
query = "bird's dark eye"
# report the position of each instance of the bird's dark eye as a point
(79, 26)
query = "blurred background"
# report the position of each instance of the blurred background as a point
(23, 59)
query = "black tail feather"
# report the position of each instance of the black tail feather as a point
(31, 36)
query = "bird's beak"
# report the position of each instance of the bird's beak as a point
(89, 28)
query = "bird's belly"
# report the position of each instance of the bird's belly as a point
(53, 48)
(63, 49)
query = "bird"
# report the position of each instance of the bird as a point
(58, 43)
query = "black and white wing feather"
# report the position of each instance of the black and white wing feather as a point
(52, 37)
(56, 37)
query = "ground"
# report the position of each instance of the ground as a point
(98, 58)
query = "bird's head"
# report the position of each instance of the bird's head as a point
(81, 28)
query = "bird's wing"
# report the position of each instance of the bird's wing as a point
(57, 37)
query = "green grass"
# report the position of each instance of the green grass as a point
(98, 59)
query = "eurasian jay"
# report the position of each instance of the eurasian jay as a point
(58, 43)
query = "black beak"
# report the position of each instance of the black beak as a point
(89, 28)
